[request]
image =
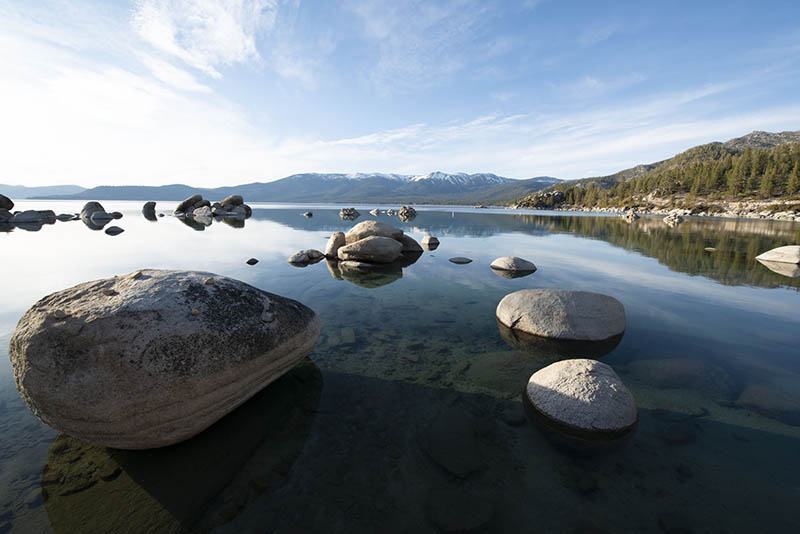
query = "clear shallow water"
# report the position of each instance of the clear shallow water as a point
(360, 436)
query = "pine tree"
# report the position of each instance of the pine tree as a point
(768, 182)
(793, 186)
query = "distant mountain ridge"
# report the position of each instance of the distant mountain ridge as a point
(432, 188)
(22, 191)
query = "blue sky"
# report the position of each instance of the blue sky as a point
(225, 92)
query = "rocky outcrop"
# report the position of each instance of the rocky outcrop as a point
(407, 213)
(563, 314)
(335, 242)
(372, 228)
(5, 215)
(149, 211)
(583, 400)
(305, 257)
(349, 214)
(787, 254)
(6, 203)
(154, 357)
(372, 249)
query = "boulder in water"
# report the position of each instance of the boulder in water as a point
(513, 264)
(6, 203)
(787, 254)
(372, 249)
(372, 228)
(335, 242)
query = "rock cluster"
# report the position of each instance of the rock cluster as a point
(203, 211)
(349, 214)
(673, 218)
(152, 358)
(95, 216)
(407, 213)
(629, 216)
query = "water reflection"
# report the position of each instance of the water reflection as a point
(792, 270)
(552, 350)
(195, 485)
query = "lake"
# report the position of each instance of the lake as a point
(362, 435)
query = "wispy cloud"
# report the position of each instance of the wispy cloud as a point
(598, 33)
(206, 34)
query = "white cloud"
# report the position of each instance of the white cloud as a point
(206, 34)
(173, 76)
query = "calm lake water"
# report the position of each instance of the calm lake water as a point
(411, 376)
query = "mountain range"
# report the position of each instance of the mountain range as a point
(433, 188)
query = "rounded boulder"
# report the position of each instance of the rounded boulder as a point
(372, 249)
(372, 228)
(563, 314)
(152, 358)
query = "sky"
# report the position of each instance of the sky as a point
(213, 93)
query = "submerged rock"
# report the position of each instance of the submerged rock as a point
(124, 362)
(552, 350)
(788, 254)
(582, 399)
(373, 249)
(771, 403)
(563, 314)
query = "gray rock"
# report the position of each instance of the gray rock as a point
(6, 203)
(410, 245)
(64, 217)
(233, 200)
(306, 256)
(513, 264)
(349, 214)
(335, 242)
(460, 260)
(372, 228)
(251, 261)
(89, 208)
(787, 254)
(138, 369)
(583, 399)
(308, 214)
(114, 230)
(101, 217)
(203, 215)
(6, 215)
(149, 211)
(450, 442)
(116, 215)
(372, 249)
(248, 211)
(189, 204)
(31, 216)
(407, 213)
(562, 314)
(430, 242)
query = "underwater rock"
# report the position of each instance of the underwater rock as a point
(373, 249)
(450, 442)
(372, 228)
(770, 403)
(787, 254)
(513, 264)
(335, 242)
(583, 400)
(562, 314)
(685, 373)
(123, 362)
(184, 488)
(368, 275)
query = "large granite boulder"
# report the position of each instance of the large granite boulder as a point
(89, 208)
(232, 200)
(563, 314)
(34, 216)
(194, 201)
(581, 399)
(6, 203)
(372, 249)
(335, 242)
(5, 215)
(788, 254)
(513, 264)
(372, 228)
(410, 245)
(154, 357)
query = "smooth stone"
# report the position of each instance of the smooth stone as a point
(450, 442)
(335, 242)
(114, 230)
(6, 203)
(188, 204)
(582, 399)
(306, 256)
(374, 249)
(685, 373)
(410, 245)
(137, 370)
(459, 260)
(782, 268)
(232, 200)
(764, 400)
(512, 263)
(371, 228)
(251, 261)
(116, 214)
(458, 510)
(787, 254)
(563, 314)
